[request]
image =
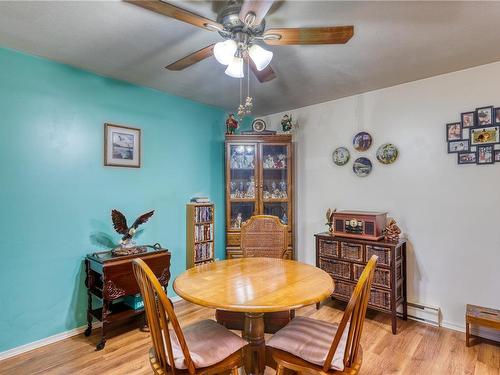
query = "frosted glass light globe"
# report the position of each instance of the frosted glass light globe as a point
(235, 68)
(260, 56)
(224, 51)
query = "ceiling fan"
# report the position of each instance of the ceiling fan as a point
(242, 24)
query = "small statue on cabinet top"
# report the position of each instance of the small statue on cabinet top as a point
(231, 124)
(127, 244)
(329, 219)
(392, 231)
(286, 123)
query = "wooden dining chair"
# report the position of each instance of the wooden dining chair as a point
(261, 236)
(305, 345)
(204, 347)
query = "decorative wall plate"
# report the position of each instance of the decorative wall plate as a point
(387, 153)
(362, 167)
(259, 125)
(341, 156)
(362, 141)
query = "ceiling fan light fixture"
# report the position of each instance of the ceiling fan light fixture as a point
(224, 51)
(260, 56)
(235, 68)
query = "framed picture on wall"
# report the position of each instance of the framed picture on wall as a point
(467, 157)
(497, 156)
(468, 119)
(485, 135)
(497, 116)
(458, 146)
(485, 155)
(453, 131)
(122, 146)
(484, 116)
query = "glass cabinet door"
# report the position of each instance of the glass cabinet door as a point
(241, 185)
(276, 181)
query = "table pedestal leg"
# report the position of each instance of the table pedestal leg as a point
(256, 350)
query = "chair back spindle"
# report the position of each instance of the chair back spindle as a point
(354, 315)
(159, 311)
(264, 236)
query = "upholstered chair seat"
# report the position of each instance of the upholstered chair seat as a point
(202, 348)
(313, 346)
(311, 339)
(208, 343)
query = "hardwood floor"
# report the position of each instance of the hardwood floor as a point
(417, 349)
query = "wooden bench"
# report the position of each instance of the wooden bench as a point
(481, 316)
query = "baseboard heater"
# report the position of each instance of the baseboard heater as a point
(424, 313)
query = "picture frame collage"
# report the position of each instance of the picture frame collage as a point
(476, 137)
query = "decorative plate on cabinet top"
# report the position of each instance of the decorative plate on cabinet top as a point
(362, 141)
(387, 153)
(362, 167)
(341, 156)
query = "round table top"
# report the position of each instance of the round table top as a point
(254, 285)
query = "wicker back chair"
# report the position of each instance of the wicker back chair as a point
(261, 236)
(343, 355)
(172, 346)
(264, 236)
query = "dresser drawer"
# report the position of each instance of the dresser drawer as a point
(351, 251)
(381, 277)
(233, 239)
(336, 268)
(383, 253)
(328, 248)
(343, 289)
(380, 298)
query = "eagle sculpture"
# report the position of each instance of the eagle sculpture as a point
(120, 225)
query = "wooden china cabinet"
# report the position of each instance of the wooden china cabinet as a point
(259, 181)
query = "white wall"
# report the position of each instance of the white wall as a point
(450, 213)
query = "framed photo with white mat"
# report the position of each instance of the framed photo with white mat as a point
(122, 146)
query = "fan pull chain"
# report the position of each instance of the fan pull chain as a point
(248, 101)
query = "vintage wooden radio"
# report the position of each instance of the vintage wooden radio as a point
(360, 224)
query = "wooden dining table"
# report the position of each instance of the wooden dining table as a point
(254, 286)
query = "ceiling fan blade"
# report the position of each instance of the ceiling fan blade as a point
(264, 75)
(173, 11)
(193, 58)
(310, 35)
(257, 7)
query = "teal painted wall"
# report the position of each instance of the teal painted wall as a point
(56, 195)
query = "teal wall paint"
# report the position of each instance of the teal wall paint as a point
(56, 195)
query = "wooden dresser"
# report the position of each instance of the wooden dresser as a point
(110, 278)
(345, 258)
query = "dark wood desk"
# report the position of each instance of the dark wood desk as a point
(109, 278)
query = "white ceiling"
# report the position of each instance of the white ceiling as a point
(394, 42)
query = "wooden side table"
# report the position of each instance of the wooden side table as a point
(481, 316)
(109, 278)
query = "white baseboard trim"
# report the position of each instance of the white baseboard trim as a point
(46, 341)
(54, 338)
